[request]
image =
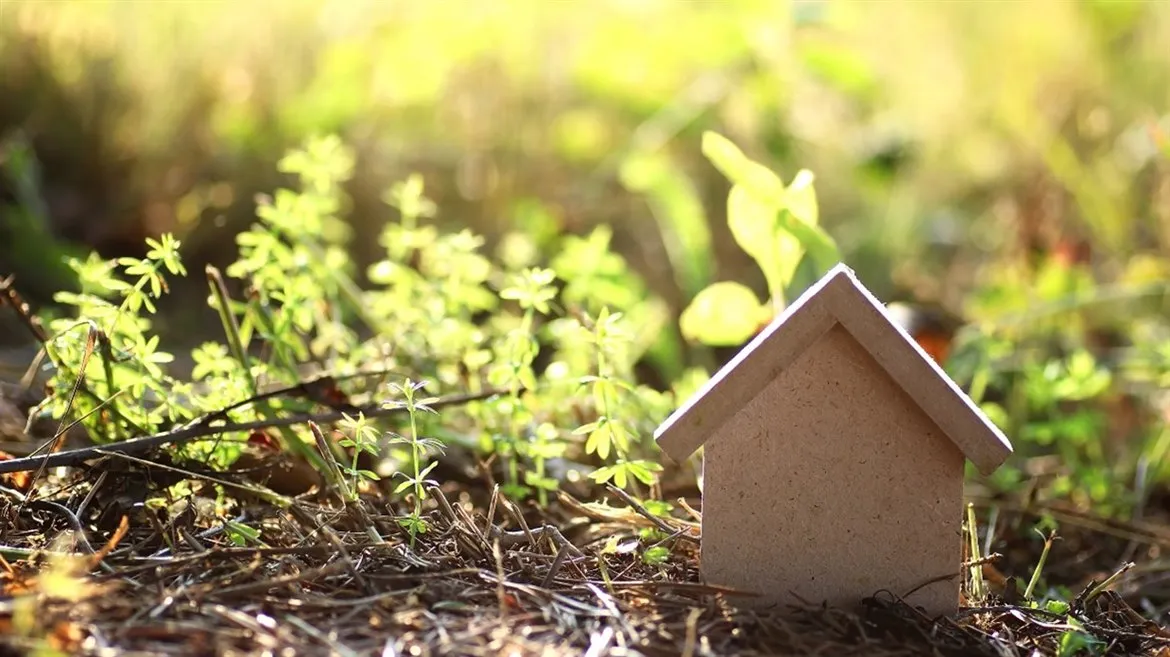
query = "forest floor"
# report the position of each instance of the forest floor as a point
(88, 568)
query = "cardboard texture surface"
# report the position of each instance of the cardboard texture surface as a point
(834, 450)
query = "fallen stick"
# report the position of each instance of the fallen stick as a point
(201, 429)
(654, 520)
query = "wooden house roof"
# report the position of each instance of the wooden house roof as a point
(837, 299)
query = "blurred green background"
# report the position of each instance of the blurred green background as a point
(942, 134)
(1007, 162)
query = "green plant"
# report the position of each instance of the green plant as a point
(415, 480)
(594, 276)
(1049, 358)
(114, 297)
(533, 291)
(1035, 579)
(361, 437)
(774, 223)
(611, 432)
(241, 534)
(656, 555)
(437, 309)
(1079, 642)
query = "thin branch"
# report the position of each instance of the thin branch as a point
(200, 429)
(642, 511)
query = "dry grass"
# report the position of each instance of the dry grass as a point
(487, 579)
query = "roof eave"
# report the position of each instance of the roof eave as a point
(919, 376)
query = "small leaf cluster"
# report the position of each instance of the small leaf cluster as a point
(1059, 374)
(109, 341)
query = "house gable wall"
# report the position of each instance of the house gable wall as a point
(833, 485)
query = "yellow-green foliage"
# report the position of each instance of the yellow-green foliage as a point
(958, 149)
(521, 99)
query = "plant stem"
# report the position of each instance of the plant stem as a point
(1109, 581)
(977, 590)
(1039, 565)
(232, 332)
(415, 457)
(231, 329)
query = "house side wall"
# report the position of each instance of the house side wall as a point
(832, 485)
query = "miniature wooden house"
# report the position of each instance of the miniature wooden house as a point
(834, 452)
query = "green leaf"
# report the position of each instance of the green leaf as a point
(1057, 606)
(599, 441)
(619, 437)
(527, 378)
(657, 507)
(1075, 643)
(241, 534)
(536, 481)
(586, 428)
(427, 470)
(740, 170)
(802, 198)
(603, 392)
(619, 475)
(724, 314)
(602, 475)
(795, 208)
(414, 524)
(820, 247)
(655, 556)
(643, 471)
(754, 225)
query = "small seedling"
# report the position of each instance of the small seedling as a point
(361, 437)
(414, 481)
(1048, 541)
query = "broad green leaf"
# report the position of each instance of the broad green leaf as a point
(1076, 643)
(724, 314)
(1057, 606)
(820, 247)
(802, 198)
(741, 170)
(774, 224)
(754, 226)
